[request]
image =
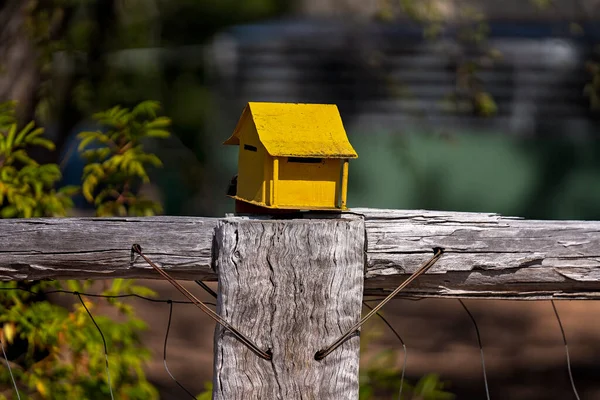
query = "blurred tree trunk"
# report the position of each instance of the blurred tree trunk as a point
(30, 34)
(91, 70)
(19, 71)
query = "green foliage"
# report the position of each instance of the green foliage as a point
(380, 373)
(117, 164)
(26, 187)
(55, 351)
(381, 380)
(207, 393)
(430, 387)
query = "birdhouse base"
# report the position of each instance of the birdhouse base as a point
(246, 208)
(242, 207)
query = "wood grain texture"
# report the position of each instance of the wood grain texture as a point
(63, 248)
(292, 286)
(486, 255)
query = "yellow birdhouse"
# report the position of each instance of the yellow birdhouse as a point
(292, 156)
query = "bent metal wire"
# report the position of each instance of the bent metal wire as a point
(103, 342)
(104, 296)
(136, 248)
(385, 321)
(321, 354)
(485, 381)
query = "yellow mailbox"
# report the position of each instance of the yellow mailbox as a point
(292, 156)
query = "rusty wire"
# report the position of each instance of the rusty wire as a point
(206, 288)
(487, 390)
(562, 331)
(12, 377)
(103, 342)
(136, 248)
(385, 321)
(165, 352)
(321, 354)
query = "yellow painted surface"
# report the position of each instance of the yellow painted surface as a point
(275, 179)
(268, 182)
(297, 130)
(304, 186)
(270, 178)
(344, 184)
(250, 170)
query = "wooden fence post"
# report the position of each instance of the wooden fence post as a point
(292, 287)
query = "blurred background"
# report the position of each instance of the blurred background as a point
(459, 105)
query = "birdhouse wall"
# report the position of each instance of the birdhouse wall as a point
(306, 184)
(268, 185)
(251, 165)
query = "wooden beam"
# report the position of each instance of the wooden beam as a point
(82, 248)
(293, 287)
(487, 255)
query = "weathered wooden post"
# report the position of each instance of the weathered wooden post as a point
(293, 287)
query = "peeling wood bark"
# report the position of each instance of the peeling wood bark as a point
(292, 286)
(487, 255)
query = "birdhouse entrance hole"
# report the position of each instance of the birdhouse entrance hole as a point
(306, 160)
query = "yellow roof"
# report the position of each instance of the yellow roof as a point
(297, 130)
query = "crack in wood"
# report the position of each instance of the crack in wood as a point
(395, 241)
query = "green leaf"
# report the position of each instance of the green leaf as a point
(32, 135)
(147, 108)
(103, 195)
(86, 141)
(21, 156)
(37, 187)
(151, 159)
(142, 291)
(10, 211)
(10, 136)
(69, 190)
(158, 133)
(6, 120)
(7, 173)
(24, 132)
(94, 169)
(158, 123)
(114, 162)
(48, 144)
(89, 184)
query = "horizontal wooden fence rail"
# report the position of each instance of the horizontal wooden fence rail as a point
(486, 255)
